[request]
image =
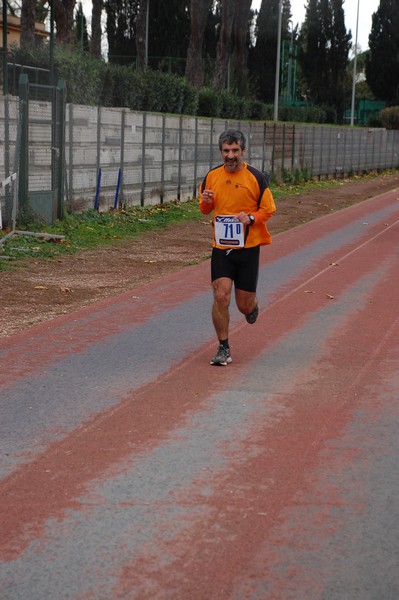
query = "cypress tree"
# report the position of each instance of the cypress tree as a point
(263, 57)
(324, 48)
(382, 60)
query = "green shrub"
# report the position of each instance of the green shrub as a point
(81, 73)
(109, 83)
(389, 117)
(374, 120)
(97, 83)
(27, 217)
(167, 93)
(190, 99)
(257, 110)
(328, 114)
(243, 108)
(230, 107)
(303, 114)
(296, 176)
(37, 58)
(209, 103)
(269, 112)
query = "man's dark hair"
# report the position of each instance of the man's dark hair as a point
(232, 136)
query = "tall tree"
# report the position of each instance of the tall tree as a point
(340, 45)
(324, 48)
(263, 58)
(82, 37)
(241, 44)
(169, 32)
(232, 49)
(382, 63)
(96, 12)
(312, 55)
(166, 29)
(64, 20)
(141, 35)
(121, 30)
(199, 11)
(28, 18)
(33, 11)
(224, 44)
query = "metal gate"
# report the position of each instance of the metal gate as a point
(43, 108)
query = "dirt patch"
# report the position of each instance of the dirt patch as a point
(45, 289)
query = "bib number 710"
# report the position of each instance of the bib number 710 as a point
(229, 231)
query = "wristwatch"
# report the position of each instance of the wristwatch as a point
(251, 219)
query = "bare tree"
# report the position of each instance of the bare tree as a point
(95, 45)
(199, 10)
(224, 44)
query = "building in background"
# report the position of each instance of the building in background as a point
(14, 31)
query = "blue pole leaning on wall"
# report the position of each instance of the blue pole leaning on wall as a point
(118, 185)
(98, 187)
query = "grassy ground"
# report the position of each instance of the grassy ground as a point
(92, 229)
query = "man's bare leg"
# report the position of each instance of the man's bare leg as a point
(220, 309)
(246, 301)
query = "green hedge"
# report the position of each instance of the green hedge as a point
(389, 117)
(209, 103)
(98, 83)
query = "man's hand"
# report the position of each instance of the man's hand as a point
(243, 217)
(207, 196)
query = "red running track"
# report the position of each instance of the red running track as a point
(133, 469)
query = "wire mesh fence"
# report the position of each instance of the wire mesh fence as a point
(10, 182)
(13, 181)
(143, 158)
(10, 127)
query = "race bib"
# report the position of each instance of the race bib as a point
(229, 231)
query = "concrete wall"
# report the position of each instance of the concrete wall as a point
(165, 157)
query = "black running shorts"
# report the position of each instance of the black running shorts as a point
(240, 265)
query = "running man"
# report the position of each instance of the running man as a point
(242, 203)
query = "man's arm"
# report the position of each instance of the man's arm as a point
(206, 200)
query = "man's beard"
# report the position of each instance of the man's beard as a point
(231, 165)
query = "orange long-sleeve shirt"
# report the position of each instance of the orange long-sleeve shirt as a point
(244, 190)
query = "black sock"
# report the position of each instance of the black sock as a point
(224, 343)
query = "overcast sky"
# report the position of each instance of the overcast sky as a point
(366, 9)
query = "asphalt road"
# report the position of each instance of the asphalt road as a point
(132, 469)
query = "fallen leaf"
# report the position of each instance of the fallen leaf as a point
(40, 287)
(66, 289)
(330, 297)
(309, 292)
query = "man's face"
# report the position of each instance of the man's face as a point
(233, 157)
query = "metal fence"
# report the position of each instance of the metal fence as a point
(118, 155)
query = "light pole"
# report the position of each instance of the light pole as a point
(290, 54)
(51, 45)
(277, 80)
(354, 70)
(5, 50)
(147, 25)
